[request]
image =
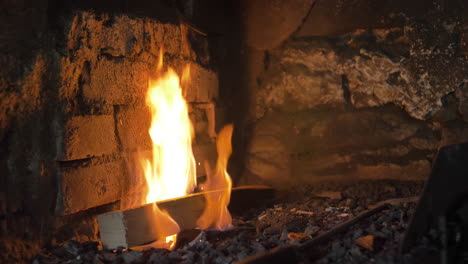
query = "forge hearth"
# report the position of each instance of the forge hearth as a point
(336, 105)
(294, 220)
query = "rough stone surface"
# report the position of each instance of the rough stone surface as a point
(269, 23)
(300, 80)
(415, 170)
(454, 135)
(132, 125)
(117, 81)
(203, 85)
(89, 184)
(204, 152)
(373, 103)
(88, 136)
(316, 145)
(366, 69)
(340, 16)
(118, 54)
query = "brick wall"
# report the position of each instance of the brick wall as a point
(73, 117)
(104, 77)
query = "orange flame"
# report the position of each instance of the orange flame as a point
(171, 171)
(216, 215)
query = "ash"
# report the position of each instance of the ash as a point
(297, 216)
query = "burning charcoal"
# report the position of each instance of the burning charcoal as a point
(132, 257)
(366, 242)
(298, 236)
(371, 243)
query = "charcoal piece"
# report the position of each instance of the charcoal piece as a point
(269, 231)
(132, 257)
(71, 249)
(157, 258)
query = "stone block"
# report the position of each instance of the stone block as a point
(414, 170)
(88, 136)
(336, 17)
(118, 81)
(203, 152)
(133, 124)
(310, 146)
(454, 135)
(203, 85)
(269, 23)
(88, 184)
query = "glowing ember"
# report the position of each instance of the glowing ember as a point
(171, 171)
(216, 214)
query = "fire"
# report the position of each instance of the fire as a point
(216, 215)
(171, 171)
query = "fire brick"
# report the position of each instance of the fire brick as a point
(89, 185)
(132, 127)
(118, 81)
(203, 86)
(88, 136)
(203, 152)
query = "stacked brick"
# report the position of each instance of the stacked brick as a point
(104, 71)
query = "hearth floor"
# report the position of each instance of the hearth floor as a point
(297, 216)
